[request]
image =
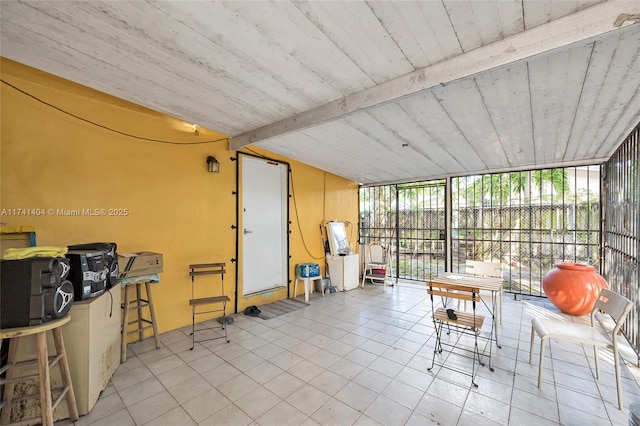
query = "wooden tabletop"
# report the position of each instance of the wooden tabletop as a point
(482, 283)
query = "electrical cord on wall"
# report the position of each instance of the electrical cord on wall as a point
(109, 128)
(295, 208)
(257, 154)
(324, 195)
(110, 307)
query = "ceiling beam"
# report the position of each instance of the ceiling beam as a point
(587, 24)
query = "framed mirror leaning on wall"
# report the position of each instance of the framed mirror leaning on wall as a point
(338, 239)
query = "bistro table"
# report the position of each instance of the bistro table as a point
(492, 285)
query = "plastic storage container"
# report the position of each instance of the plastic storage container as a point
(306, 270)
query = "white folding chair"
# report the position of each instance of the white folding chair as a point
(610, 303)
(377, 263)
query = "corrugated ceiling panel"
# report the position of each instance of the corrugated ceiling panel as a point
(539, 12)
(510, 87)
(612, 82)
(411, 139)
(287, 26)
(555, 85)
(354, 28)
(464, 104)
(443, 132)
(422, 30)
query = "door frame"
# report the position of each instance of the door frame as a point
(248, 300)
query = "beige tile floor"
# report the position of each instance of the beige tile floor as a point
(359, 358)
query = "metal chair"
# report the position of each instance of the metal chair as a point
(610, 303)
(469, 323)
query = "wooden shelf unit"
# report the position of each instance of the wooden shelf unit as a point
(217, 298)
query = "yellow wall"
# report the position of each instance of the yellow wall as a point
(51, 161)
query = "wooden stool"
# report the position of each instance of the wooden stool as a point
(45, 362)
(138, 303)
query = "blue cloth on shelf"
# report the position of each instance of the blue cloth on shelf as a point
(152, 278)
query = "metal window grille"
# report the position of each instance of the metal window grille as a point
(528, 220)
(621, 239)
(410, 217)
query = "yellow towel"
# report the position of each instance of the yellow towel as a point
(38, 251)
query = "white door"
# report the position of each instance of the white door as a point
(264, 224)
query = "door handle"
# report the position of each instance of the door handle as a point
(246, 231)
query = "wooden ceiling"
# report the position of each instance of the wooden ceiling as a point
(374, 91)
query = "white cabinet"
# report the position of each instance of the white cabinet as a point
(92, 339)
(344, 271)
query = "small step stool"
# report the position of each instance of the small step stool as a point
(214, 297)
(139, 303)
(44, 363)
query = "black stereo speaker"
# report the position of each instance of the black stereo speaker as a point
(65, 267)
(88, 273)
(32, 292)
(110, 255)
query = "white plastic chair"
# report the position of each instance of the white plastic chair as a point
(489, 270)
(613, 304)
(308, 286)
(377, 257)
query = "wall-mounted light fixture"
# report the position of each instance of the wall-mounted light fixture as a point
(194, 128)
(213, 164)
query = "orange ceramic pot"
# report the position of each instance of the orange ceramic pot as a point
(573, 287)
